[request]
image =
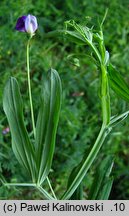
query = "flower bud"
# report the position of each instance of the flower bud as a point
(27, 24)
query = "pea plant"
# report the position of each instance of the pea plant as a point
(35, 155)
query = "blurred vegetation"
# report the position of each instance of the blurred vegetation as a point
(80, 117)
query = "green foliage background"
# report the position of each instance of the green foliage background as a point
(80, 117)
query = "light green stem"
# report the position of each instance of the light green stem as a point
(95, 52)
(20, 184)
(29, 88)
(105, 103)
(87, 162)
(53, 193)
(43, 191)
(105, 97)
(31, 107)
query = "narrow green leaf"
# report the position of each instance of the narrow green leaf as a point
(104, 192)
(118, 118)
(78, 193)
(2, 179)
(47, 123)
(81, 35)
(117, 83)
(101, 179)
(13, 107)
(80, 32)
(74, 36)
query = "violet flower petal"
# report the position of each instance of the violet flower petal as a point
(31, 24)
(20, 25)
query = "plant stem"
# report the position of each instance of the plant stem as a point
(43, 191)
(95, 52)
(105, 97)
(53, 193)
(31, 106)
(20, 184)
(105, 129)
(29, 88)
(88, 160)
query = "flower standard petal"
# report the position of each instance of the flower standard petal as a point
(20, 25)
(31, 24)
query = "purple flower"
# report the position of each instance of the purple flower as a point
(27, 24)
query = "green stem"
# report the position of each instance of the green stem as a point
(45, 193)
(105, 97)
(102, 46)
(31, 106)
(105, 103)
(96, 52)
(87, 162)
(53, 193)
(29, 87)
(20, 184)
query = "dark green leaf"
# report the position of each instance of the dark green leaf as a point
(104, 192)
(78, 193)
(47, 123)
(83, 31)
(101, 185)
(117, 83)
(13, 108)
(74, 36)
(118, 118)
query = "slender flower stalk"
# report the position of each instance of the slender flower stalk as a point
(29, 87)
(29, 25)
(31, 107)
